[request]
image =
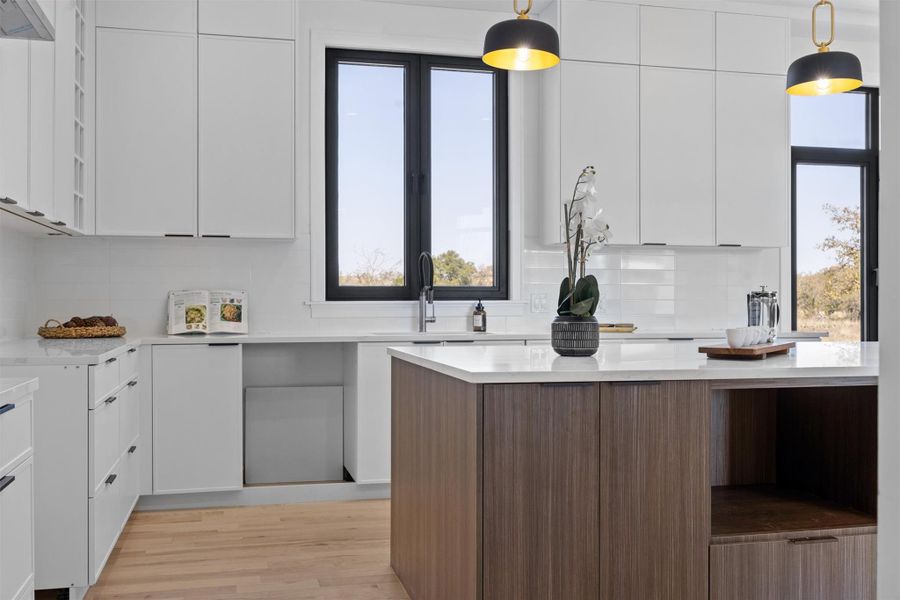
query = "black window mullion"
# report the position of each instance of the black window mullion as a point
(414, 177)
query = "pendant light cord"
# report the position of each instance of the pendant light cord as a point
(822, 46)
(523, 14)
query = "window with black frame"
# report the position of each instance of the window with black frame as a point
(834, 153)
(416, 160)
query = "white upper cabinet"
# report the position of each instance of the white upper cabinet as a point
(178, 16)
(752, 160)
(14, 121)
(674, 37)
(40, 149)
(246, 137)
(599, 31)
(600, 128)
(751, 44)
(269, 19)
(64, 115)
(146, 136)
(678, 116)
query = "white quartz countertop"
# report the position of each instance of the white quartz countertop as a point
(11, 389)
(37, 351)
(616, 361)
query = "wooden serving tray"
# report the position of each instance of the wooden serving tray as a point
(747, 352)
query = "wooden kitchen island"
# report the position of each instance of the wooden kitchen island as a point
(647, 472)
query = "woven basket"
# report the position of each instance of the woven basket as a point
(59, 332)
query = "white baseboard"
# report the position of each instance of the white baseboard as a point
(267, 494)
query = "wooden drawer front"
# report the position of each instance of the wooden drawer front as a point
(104, 521)
(15, 432)
(17, 532)
(818, 568)
(105, 444)
(756, 571)
(836, 568)
(129, 413)
(104, 378)
(128, 364)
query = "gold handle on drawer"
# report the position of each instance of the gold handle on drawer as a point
(826, 539)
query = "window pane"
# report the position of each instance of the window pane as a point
(462, 177)
(828, 249)
(370, 175)
(836, 121)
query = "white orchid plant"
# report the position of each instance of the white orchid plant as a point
(586, 230)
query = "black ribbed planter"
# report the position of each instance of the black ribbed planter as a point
(575, 336)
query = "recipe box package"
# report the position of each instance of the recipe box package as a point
(207, 311)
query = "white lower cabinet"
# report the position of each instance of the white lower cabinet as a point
(86, 468)
(367, 406)
(17, 532)
(197, 418)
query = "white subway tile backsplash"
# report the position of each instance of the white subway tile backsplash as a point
(656, 263)
(648, 276)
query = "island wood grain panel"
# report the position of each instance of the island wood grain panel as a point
(828, 443)
(654, 490)
(750, 572)
(435, 484)
(842, 568)
(541, 492)
(743, 437)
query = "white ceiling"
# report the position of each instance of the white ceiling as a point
(540, 5)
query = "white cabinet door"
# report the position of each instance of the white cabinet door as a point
(197, 418)
(146, 144)
(599, 31)
(16, 531)
(600, 128)
(246, 137)
(675, 37)
(269, 19)
(752, 44)
(14, 121)
(752, 160)
(179, 16)
(40, 159)
(64, 116)
(370, 416)
(677, 157)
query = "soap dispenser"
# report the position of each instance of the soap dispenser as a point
(479, 318)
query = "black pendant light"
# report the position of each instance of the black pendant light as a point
(824, 72)
(521, 44)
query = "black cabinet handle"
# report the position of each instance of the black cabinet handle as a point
(653, 243)
(8, 200)
(132, 383)
(132, 350)
(423, 343)
(132, 449)
(35, 213)
(110, 479)
(729, 245)
(827, 539)
(216, 235)
(58, 223)
(224, 344)
(109, 361)
(110, 400)
(6, 481)
(6, 408)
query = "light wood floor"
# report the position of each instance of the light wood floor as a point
(325, 551)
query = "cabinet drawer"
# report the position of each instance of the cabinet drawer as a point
(105, 447)
(17, 532)
(129, 414)
(104, 378)
(104, 521)
(128, 364)
(826, 567)
(15, 431)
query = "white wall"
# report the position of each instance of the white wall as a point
(16, 279)
(674, 288)
(888, 321)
